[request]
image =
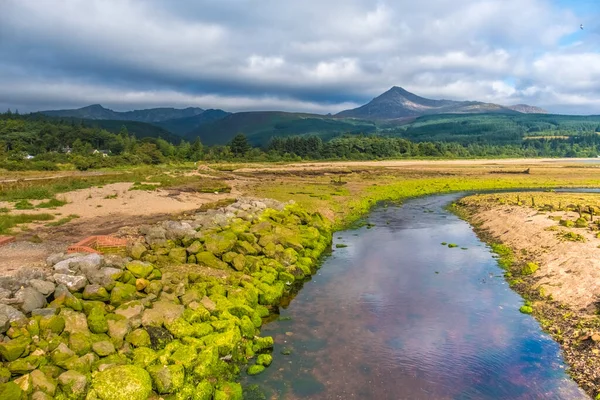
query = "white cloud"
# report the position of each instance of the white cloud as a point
(314, 54)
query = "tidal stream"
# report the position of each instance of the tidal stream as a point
(397, 315)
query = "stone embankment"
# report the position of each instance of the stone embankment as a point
(178, 316)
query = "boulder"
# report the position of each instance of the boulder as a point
(74, 321)
(178, 255)
(30, 299)
(10, 391)
(42, 382)
(139, 338)
(11, 313)
(161, 312)
(44, 287)
(139, 269)
(73, 384)
(123, 382)
(103, 348)
(96, 320)
(133, 311)
(122, 293)
(95, 292)
(73, 282)
(210, 260)
(220, 243)
(137, 250)
(167, 379)
(13, 349)
(117, 330)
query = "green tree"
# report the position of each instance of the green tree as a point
(239, 146)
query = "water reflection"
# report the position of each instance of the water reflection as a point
(396, 315)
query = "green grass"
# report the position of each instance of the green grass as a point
(52, 203)
(506, 257)
(571, 236)
(64, 220)
(24, 205)
(8, 221)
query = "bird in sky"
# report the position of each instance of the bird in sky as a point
(581, 26)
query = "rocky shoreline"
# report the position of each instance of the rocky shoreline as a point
(178, 315)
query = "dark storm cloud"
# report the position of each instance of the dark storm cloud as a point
(306, 56)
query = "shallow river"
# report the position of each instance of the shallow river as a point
(396, 315)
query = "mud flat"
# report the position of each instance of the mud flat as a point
(548, 244)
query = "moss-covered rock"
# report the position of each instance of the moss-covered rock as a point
(124, 382)
(122, 293)
(185, 356)
(210, 260)
(118, 328)
(52, 324)
(139, 338)
(95, 293)
(264, 359)
(167, 379)
(144, 356)
(139, 269)
(14, 349)
(97, 322)
(204, 391)
(4, 375)
(42, 382)
(228, 391)
(195, 248)
(255, 369)
(262, 344)
(178, 255)
(104, 348)
(220, 243)
(10, 391)
(73, 384)
(247, 327)
(23, 365)
(529, 268)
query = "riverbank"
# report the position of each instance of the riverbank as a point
(548, 245)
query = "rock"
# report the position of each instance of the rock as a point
(11, 313)
(105, 277)
(74, 321)
(73, 383)
(44, 287)
(139, 338)
(162, 312)
(159, 337)
(73, 282)
(229, 391)
(71, 265)
(123, 382)
(10, 391)
(13, 349)
(255, 369)
(96, 320)
(61, 354)
(137, 250)
(167, 379)
(220, 243)
(264, 359)
(143, 356)
(139, 269)
(208, 304)
(43, 383)
(122, 293)
(44, 312)
(210, 260)
(132, 311)
(141, 284)
(52, 324)
(117, 329)
(55, 258)
(103, 348)
(204, 391)
(30, 299)
(80, 343)
(4, 375)
(41, 396)
(178, 255)
(96, 293)
(195, 247)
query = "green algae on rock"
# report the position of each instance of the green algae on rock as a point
(179, 321)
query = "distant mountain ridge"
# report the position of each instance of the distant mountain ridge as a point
(151, 115)
(398, 103)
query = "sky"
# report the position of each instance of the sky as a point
(312, 55)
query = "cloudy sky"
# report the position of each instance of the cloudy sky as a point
(310, 55)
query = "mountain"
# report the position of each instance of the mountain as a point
(526, 109)
(398, 103)
(260, 126)
(182, 126)
(152, 115)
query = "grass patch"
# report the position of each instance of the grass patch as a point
(111, 196)
(64, 220)
(24, 205)
(8, 221)
(571, 237)
(452, 245)
(530, 268)
(52, 203)
(340, 246)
